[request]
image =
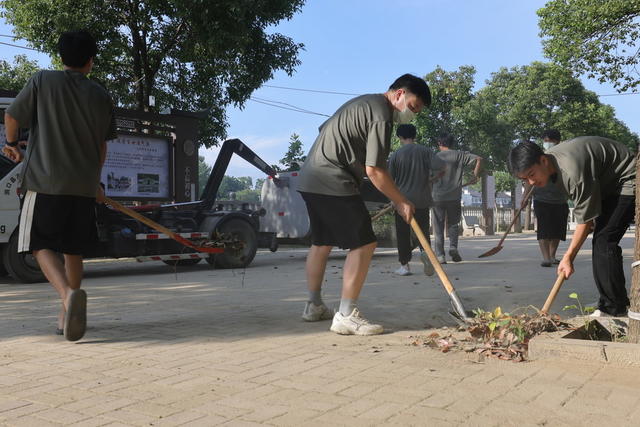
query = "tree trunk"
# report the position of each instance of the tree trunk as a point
(517, 226)
(527, 216)
(487, 212)
(634, 325)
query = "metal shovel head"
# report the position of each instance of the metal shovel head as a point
(459, 313)
(491, 251)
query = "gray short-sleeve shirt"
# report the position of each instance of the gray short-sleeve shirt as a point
(410, 167)
(356, 136)
(591, 169)
(68, 116)
(449, 186)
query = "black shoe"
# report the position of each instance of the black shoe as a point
(59, 331)
(546, 263)
(455, 255)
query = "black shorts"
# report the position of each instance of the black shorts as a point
(65, 224)
(341, 221)
(552, 220)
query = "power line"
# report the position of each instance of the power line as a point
(21, 47)
(621, 94)
(291, 108)
(313, 90)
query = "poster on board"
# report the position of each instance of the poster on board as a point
(138, 167)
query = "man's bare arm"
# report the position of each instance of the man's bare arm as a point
(381, 179)
(579, 236)
(11, 126)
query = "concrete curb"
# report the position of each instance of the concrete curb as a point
(556, 346)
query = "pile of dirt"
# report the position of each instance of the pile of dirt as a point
(495, 333)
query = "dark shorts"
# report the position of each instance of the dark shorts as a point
(65, 224)
(552, 220)
(341, 221)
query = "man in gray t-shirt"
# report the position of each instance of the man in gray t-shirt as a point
(69, 119)
(598, 175)
(352, 143)
(447, 195)
(410, 167)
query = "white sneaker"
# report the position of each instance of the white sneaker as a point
(354, 324)
(428, 267)
(601, 314)
(404, 270)
(315, 313)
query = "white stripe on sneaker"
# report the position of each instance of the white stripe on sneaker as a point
(26, 221)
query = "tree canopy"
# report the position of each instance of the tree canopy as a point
(188, 54)
(294, 157)
(14, 76)
(596, 37)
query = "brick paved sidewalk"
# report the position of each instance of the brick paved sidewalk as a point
(203, 347)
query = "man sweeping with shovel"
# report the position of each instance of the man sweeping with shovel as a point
(70, 118)
(355, 141)
(598, 175)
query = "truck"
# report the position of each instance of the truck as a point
(236, 231)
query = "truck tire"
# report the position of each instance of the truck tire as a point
(22, 267)
(238, 258)
(3, 271)
(182, 262)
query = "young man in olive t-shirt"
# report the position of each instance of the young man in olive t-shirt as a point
(70, 118)
(598, 175)
(353, 142)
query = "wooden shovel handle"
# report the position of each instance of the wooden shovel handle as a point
(516, 216)
(432, 256)
(553, 293)
(387, 208)
(161, 228)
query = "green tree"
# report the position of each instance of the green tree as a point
(294, 157)
(598, 38)
(14, 76)
(204, 170)
(539, 96)
(232, 184)
(450, 91)
(188, 54)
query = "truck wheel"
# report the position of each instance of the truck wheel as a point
(240, 257)
(22, 267)
(3, 271)
(182, 262)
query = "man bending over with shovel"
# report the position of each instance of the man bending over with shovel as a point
(355, 141)
(598, 174)
(70, 118)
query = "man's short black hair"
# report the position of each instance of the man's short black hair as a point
(523, 156)
(552, 134)
(406, 131)
(76, 48)
(415, 85)
(445, 140)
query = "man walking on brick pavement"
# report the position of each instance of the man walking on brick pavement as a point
(447, 195)
(353, 143)
(598, 174)
(70, 118)
(411, 166)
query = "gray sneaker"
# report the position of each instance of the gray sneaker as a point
(442, 259)
(354, 324)
(428, 267)
(455, 255)
(315, 313)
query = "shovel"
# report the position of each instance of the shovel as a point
(178, 238)
(498, 248)
(553, 293)
(458, 309)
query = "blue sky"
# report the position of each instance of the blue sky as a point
(361, 46)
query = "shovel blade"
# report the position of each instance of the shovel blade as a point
(490, 252)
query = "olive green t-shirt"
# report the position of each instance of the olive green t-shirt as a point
(591, 169)
(356, 136)
(449, 186)
(68, 116)
(410, 167)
